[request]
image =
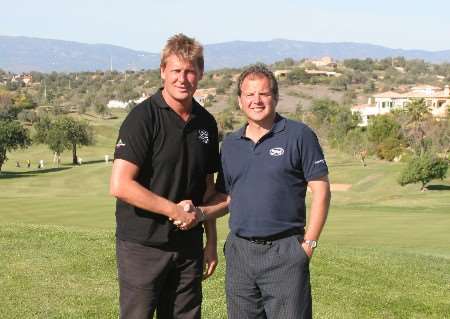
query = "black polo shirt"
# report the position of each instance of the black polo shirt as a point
(267, 181)
(174, 158)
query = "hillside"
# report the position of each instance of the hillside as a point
(23, 54)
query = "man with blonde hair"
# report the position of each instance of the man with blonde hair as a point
(165, 157)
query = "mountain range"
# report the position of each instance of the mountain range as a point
(24, 54)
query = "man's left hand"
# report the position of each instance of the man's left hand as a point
(308, 250)
(209, 259)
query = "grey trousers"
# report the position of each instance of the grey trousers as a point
(267, 280)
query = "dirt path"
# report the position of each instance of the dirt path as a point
(338, 187)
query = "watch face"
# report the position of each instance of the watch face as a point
(311, 243)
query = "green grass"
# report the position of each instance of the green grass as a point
(385, 251)
(67, 272)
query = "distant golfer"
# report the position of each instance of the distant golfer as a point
(266, 168)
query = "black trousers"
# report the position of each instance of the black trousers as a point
(269, 280)
(166, 280)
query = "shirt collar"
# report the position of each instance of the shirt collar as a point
(160, 102)
(278, 125)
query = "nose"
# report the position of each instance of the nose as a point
(257, 98)
(181, 77)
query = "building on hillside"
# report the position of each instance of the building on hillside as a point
(27, 79)
(322, 73)
(117, 104)
(436, 99)
(201, 95)
(325, 61)
(24, 79)
(281, 74)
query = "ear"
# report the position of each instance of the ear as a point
(239, 102)
(161, 70)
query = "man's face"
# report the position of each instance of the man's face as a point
(256, 99)
(180, 78)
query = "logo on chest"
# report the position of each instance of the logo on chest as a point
(276, 151)
(203, 136)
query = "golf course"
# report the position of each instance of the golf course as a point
(384, 253)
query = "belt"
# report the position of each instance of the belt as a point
(269, 239)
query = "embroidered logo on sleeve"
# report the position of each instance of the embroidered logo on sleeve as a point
(120, 144)
(203, 136)
(276, 151)
(322, 161)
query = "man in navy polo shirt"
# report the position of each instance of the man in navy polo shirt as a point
(266, 169)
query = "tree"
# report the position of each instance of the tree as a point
(298, 76)
(423, 168)
(52, 133)
(369, 87)
(340, 124)
(439, 135)
(64, 133)
(12, 136)
(77, 133)
(27, 116)
(100, 108)
(385, 135)
(324, 109)
(417, 115)
(24, 101)
(357, 143)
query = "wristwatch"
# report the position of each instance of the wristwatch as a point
(311, 243)
(202, 215)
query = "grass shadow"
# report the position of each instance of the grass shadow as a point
(86, 163)
(438, 187)
(6, 174)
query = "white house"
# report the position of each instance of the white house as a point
(437, 100)
(117, 104)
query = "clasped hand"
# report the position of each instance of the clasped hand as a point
(186, 215)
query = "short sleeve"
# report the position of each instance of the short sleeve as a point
(313, 162)
(135, 136)
(221, 186)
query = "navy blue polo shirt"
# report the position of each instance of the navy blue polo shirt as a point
(267, 181)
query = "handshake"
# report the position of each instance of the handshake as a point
(186, 216)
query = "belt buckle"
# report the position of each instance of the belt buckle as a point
(260, 241)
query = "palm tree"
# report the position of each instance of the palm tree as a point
(417, 114)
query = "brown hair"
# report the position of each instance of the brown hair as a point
(257, 70)
(185, 48)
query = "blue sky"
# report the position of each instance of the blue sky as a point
(146, 24)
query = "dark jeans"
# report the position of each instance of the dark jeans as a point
(268, 280)
(163, 279)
